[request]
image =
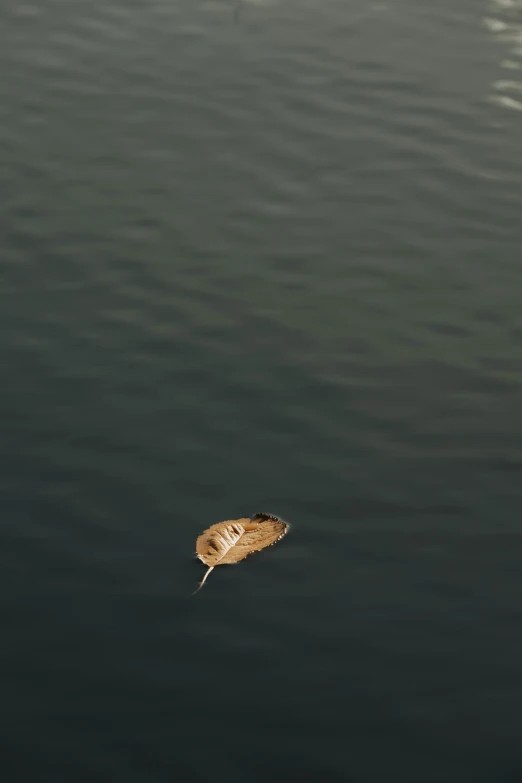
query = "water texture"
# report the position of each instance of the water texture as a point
(262, 256)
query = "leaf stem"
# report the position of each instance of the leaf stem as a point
(211, 568)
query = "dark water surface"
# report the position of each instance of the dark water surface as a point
(272, 264)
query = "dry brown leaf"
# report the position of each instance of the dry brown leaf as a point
(233, 540)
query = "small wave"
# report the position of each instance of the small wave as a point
(506, 27)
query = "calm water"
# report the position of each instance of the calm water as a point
(271, 263)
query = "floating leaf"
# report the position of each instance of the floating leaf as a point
(233, 540)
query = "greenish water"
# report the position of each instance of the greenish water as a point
(267, 260)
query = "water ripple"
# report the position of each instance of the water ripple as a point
(506, 27)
